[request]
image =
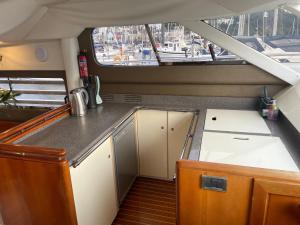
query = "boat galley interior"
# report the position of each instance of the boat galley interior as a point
(161, 112)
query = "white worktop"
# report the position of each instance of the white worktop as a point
(240, 121)
(246, 150)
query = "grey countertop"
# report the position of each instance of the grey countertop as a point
(79, 136)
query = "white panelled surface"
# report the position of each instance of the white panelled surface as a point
(235, 121)
(94, 187)
(246, 150)
(178, 127)
(152, 143)
(289, 104)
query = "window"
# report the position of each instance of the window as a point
(275, 33)
(40, 92)
(176, 43)
(124, 45)
(133, 45)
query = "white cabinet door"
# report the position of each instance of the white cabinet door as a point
(178, 127)
(152, 143)
(94, 187)
(240, 121)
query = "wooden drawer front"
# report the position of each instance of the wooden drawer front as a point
(275, 203)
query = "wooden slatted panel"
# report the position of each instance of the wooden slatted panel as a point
(149, 202)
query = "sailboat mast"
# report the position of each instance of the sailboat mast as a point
(249, 17)
(241, 25)
(229, 24)
(275, 23)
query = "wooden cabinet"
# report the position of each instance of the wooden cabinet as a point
(94, 187)
(161, 136)
(178, 127)
(152, 143)
(252, 196)
(35, 186)
(275, 202)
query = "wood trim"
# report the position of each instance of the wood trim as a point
(5, 125)
(240, 170)
(33, 153)
(19, 136)
(25, 128)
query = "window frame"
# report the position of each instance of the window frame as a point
(208, 21)
(160, 63)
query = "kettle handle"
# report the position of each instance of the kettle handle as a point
(67, 100)
(85, 96)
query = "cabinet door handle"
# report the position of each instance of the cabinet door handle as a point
(162, 127)
(109, 156)
(172, 129)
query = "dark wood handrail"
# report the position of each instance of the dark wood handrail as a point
(30, 152)
(30, 124)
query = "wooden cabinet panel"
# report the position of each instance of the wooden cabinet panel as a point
(254, 196)
(178, 127)
(35, 186)
(152, 143)
(197, 206)
(275, 202)
(94, 187)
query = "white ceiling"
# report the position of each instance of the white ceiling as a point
(23, 20)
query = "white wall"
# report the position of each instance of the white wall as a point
(70, 50)
(289, 103)
(23, 57)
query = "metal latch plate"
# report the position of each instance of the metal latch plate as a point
(214, 183)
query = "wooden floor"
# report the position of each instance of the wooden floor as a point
(149, 202)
